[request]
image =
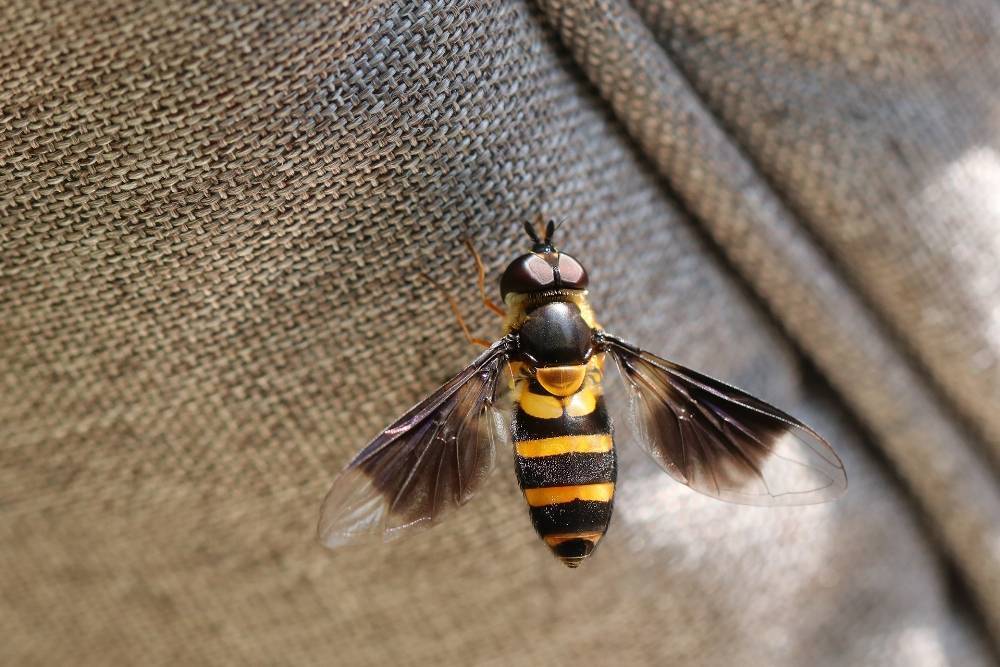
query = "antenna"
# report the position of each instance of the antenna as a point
(531, 232)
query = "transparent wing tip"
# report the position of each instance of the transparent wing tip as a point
(352, 511)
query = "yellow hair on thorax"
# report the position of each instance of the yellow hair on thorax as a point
(518, 305)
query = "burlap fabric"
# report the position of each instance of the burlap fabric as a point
(212, 215)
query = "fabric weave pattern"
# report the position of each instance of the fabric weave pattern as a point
(211, 218)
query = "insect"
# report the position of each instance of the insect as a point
(712, 437)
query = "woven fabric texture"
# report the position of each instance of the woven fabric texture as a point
(212, 217)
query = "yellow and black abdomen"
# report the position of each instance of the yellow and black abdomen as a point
(565, 456)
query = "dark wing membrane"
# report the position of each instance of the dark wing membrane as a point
(429, 462)
(721, 441)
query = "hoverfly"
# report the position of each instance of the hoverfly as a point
(712, 437)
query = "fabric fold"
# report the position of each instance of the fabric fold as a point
(765, 243)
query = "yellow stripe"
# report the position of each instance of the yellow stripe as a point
(542, 407)
(564, 444)
(564, 494)
(559, 538)
(582, 403)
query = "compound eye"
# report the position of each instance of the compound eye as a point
(571, 273)
(526, 274)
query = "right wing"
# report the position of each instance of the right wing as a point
(720, 440)
(426, 464)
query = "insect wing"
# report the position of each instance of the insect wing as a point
(721, 441)
(429, 462)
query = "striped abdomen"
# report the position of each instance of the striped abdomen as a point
(565, 456)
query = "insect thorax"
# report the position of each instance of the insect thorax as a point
(555, 327)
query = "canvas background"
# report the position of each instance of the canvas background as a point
(210, 218)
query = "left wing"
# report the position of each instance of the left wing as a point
(722, 441)
(429, 462)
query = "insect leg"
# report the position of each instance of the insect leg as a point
(481, 280)
(458, 315)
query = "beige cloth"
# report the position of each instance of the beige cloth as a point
(210, 218)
